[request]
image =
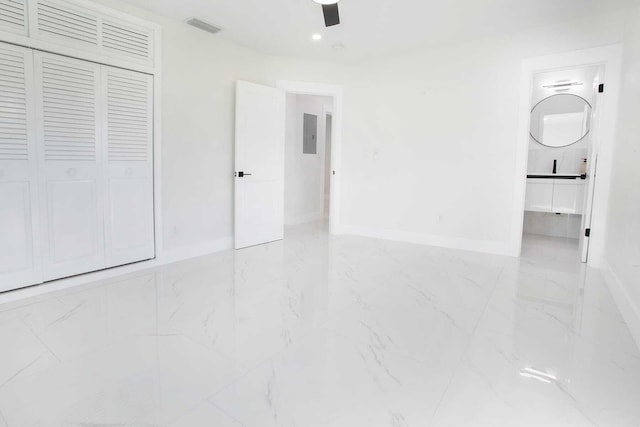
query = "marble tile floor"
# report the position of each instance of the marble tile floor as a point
(327, 331)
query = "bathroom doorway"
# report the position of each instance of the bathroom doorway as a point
(602, 129)
(559, 189)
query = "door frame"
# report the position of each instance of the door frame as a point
(326, 112)
(610, 58)
(334, 91)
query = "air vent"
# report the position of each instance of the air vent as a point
(198, 23)
(12, 15)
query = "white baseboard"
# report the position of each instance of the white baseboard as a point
(304, 218)
(164, 258)
(484, 246)
(193, 251)
(629, 309)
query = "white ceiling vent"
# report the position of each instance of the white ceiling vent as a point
(198, 23)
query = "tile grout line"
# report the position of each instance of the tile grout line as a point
(37, 337)
(466, 350)
(216, 406)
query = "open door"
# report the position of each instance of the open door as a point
(259, 164)
(592, 167)
(585, 229)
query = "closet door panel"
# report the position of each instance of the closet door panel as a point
(70, 157)
(13, 16)
(128, 106)
(19, 257)
(73, 223)
(15, 212)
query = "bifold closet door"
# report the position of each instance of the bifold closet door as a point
(19, 257)
(70, 165)
(128, 135)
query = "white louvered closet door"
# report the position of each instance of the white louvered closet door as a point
(19, 257)
(70, 165)
(128, 150)
(13, 16)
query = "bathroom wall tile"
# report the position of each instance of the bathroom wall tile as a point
(569, 158)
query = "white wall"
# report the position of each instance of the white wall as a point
(304, 173)
(623, 238)
(430, 137)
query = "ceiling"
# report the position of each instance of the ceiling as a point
(372, 28)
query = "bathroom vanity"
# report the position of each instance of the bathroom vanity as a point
(560, 126)
(555, 193)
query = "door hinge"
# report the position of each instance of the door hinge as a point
(587, 232)
(601, 88)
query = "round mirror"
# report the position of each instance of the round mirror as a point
(560, 120)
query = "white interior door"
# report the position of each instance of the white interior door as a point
(127, 103)
(259, 164)
(589, 187)
(19, 256)
(70, 165)
(590, 183)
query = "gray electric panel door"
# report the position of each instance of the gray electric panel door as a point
(309, 134)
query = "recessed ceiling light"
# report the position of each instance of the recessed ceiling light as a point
(326, 1)
(338, 46)
(316, 37)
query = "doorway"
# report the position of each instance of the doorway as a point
(260, 139)
(558, 199)
(307, 158)
(607, 59)
(332, 156)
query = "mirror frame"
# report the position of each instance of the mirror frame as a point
(551, 96)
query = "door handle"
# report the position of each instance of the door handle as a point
(242, 174)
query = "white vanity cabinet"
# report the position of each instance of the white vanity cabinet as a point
(555, 195)
(568, 196)
(539, 196)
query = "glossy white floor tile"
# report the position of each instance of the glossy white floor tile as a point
(327, 331)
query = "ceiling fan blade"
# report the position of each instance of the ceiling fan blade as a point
(331, 14)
